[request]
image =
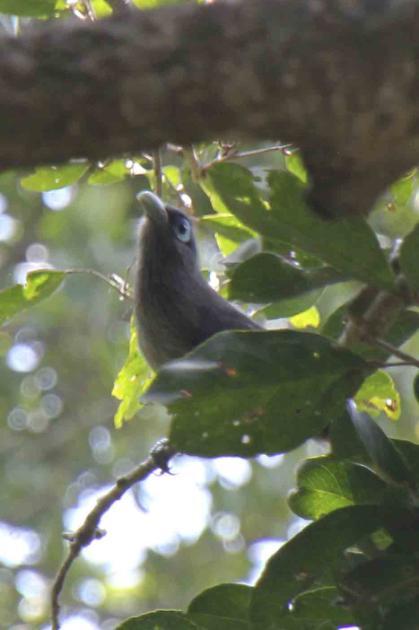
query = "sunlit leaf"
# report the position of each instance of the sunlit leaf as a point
(325, 484)
(29, 8)
(113, 172)
(295, 166)
(39, 285)
(131, 381)
(403, 189)
(307, 319)
(378, 393)
(52, 177)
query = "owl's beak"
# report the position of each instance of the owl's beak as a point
(154, 207)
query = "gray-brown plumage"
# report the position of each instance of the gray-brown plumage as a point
(175, 307)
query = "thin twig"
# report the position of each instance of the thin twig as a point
(90, 10)
(238, 155)
(194, 164)
(158, 172)
(407, 358)
(395, 364)
(88, 531)
(175, 191)
(117, 283)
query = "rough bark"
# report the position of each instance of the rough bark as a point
(339, 78)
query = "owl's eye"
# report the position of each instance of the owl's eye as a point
(182, 229)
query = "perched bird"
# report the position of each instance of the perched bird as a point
(175, 307)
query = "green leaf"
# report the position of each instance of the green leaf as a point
(326, 484)
(29, 8)
(227, 600)
(245, 393)
(345, 441)
(223, 606)
(378, 393)
(409, 258)
(333, 242)
(52, 177)
(39, 285)
(379, 447)
(295, 166)
(161, 620)
(403, 189)
(309, 318)
(410, 454)
(317, 550)
(131, 381)
(152, 4)
(319, 609)
(382, 581)
(291, 306)
(288, 219)
(115, 171)
(227, 225)
(403, 617)
(269, 278)
(231, 189)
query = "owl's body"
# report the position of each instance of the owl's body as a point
(175, 307)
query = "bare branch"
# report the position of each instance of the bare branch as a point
(88, 531)
(158, 172)
(407, 359)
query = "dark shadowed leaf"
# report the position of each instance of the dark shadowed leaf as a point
(244, 393)
(270, 278)
(404, 617)
(326, 484)
(223, 606)
(321, 609)
(379, 447)
(161, 620)
(291, 306)
(409, 258)
(333, 242)
(39, 285)
(318, 549)
(224, 599)
(381, 581)
(410, 454)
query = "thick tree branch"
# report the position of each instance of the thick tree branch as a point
(338, 78)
